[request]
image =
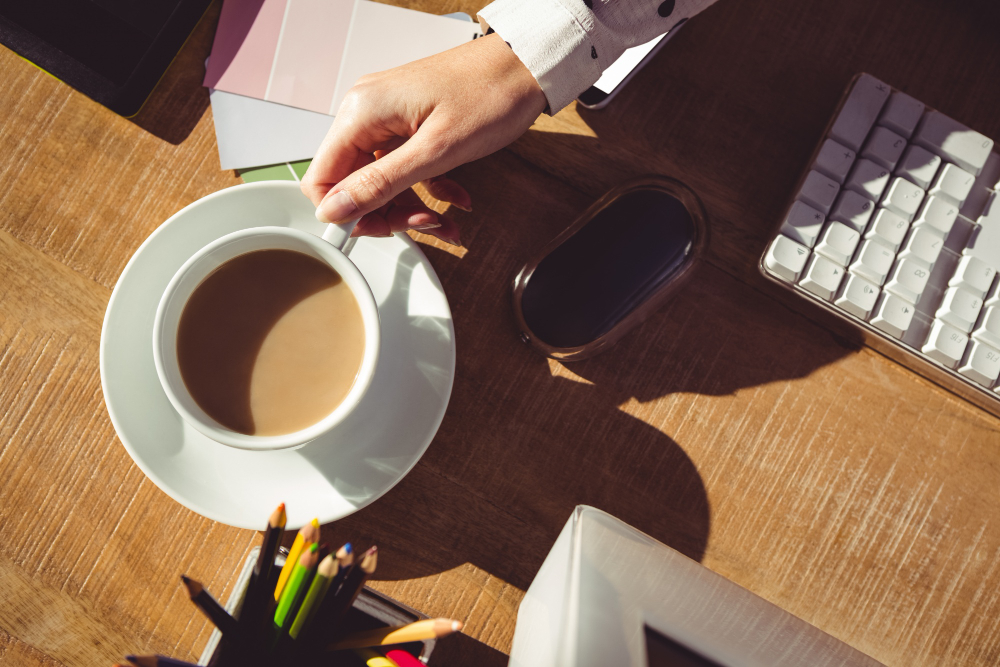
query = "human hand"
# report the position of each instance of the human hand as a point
(412, 124)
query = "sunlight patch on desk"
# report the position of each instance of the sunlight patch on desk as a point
(567, 121)
(559, 370)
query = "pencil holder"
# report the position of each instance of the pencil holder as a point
(371, 610)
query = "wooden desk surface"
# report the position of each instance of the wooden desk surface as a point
(832, 482)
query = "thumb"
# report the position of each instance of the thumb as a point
(375, 185)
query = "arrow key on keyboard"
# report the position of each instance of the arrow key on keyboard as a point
(892, 315)
(960, 308)
(973, 274)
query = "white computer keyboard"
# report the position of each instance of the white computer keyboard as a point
(895, 227)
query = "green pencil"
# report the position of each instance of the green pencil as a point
(317, 591)
(295, 589)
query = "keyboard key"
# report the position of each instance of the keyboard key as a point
(945, 344)
(818, 191)
(873, 262)
(803, 224)
(903, 198)
(960, 308)
(868, 179)
(988, 329)
(822, 278)
(918, 166)
(892, 315)
(838, 242)
(834, 160)
(901, 114)
(939, 213)
(884, 147)
(953, 141)
(953, 183)
(981, 364)
(857, 296)
(888, 228)
(924, 243)
(859, 112)
(992, 295)
(909, 279)
(853, 210)
(786, 258)
(984, 242)
(973, 274)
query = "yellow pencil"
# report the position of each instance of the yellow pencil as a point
(325, 573)
(432, 628)
(296, 587)
(308, 533)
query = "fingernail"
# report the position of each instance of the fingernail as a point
(454, 243)
(467, 209)
(429, 225)
(336, 207)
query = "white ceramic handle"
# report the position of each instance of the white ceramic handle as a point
(340, 235)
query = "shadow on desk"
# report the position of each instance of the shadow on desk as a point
(526, 439)
(178, 101)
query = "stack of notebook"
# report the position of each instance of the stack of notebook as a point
(279, 70)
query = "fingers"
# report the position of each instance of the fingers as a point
(375, 185)
(445, 189)
(335, 159)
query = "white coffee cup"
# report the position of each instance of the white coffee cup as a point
(328, 250)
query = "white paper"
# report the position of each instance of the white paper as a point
(255, 133)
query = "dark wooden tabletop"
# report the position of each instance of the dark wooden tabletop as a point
(831, 481)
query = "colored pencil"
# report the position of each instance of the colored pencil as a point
(345, 559)
(255, 601)
(210, 607)
(296, 587)
(374, 659)
(432, 628)
(325, 573)
(308, 533)
(157, 661)
(354, 581)
(402, 658)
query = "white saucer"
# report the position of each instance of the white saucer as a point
(330, 477)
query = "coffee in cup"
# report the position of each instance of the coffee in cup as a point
(266, 338)
(270, 342)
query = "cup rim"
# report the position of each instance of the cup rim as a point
(177, 392)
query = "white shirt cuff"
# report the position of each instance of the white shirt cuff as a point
(551, 43)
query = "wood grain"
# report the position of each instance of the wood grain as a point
(831, 481)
